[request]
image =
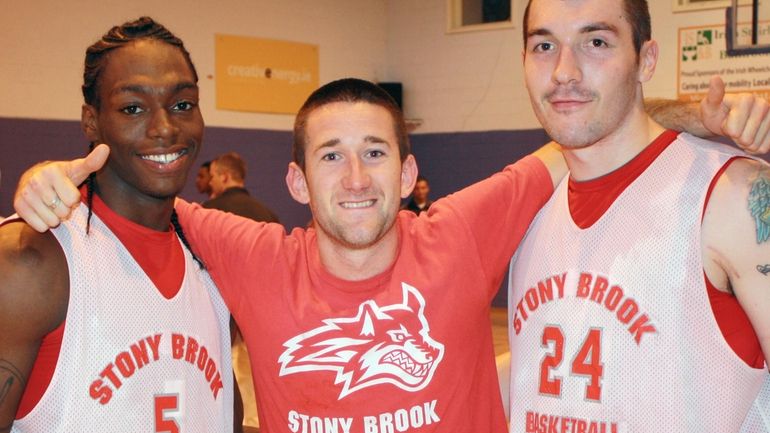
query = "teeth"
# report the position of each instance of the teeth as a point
(407, 364)
(357, 204)
(163, 159)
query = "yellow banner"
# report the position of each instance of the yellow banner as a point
(263, 75)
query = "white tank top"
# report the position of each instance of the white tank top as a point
(132, 361)
(611, 329)
(758, 419)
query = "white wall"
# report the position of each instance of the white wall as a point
(473, 81)
(454, 82)
(43, 42)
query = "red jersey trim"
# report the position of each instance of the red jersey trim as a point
(730, 316)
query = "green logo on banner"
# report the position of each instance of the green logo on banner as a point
(705, 37)
(689, 53)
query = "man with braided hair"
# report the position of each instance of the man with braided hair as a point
(108, 322)
(650, 247)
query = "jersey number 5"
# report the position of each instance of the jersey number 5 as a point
(166, 403)
(587, 362)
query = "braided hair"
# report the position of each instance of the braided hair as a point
(96, 59)
(119, 36)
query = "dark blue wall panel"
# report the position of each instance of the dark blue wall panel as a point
(450, 161)
(24, 142)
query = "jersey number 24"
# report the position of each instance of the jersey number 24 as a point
(587, 362)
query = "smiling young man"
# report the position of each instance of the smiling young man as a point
(637, 301)
(352, 332)
(108, 322)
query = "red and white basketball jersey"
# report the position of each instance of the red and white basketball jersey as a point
(610, 326)
(758, 419)
(131, 360)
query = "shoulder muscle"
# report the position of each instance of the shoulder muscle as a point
(34, 290)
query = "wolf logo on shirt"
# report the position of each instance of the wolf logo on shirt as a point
(379, 345)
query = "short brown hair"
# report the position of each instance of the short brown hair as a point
(637, 13)
(348, 90)
(232, 164)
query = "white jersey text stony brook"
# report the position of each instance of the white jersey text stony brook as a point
(611, 328)
(132, 361)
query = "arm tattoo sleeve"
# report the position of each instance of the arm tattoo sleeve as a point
(759, 206)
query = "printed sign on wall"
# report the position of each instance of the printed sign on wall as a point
(702, 53)
(263, 75)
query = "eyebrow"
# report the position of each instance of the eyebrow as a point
(368, 139)
(588, 28)
(138, 88)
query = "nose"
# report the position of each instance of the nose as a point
(357, 177)
(567, 69)
(161, 126)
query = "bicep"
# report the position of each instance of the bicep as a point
(498, 210)
(33, 295)
(737, 240)
(235, 250)
(751, 285)
(219, 238)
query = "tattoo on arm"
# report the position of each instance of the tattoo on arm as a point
(763, 269)
(759, 206)
(10, 378)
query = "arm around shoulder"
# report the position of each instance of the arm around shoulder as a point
(741, 117)
(227, 242)
(34, 290)
(553, 159)
(736, 241)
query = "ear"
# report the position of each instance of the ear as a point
(648, 60)
(408, 176)
(89, 123)
(295, 181)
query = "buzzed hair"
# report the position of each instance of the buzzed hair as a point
(348, 90)
(637, 13)
(232, 164)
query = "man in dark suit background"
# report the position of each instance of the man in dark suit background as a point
(419, 202)
(228, 173)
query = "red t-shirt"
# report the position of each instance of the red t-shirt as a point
(409, 348)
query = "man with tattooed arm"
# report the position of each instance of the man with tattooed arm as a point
(639, 300)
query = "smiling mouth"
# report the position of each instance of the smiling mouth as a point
(357, 204)
(165, 158)
(567, 106)
(567, 101)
